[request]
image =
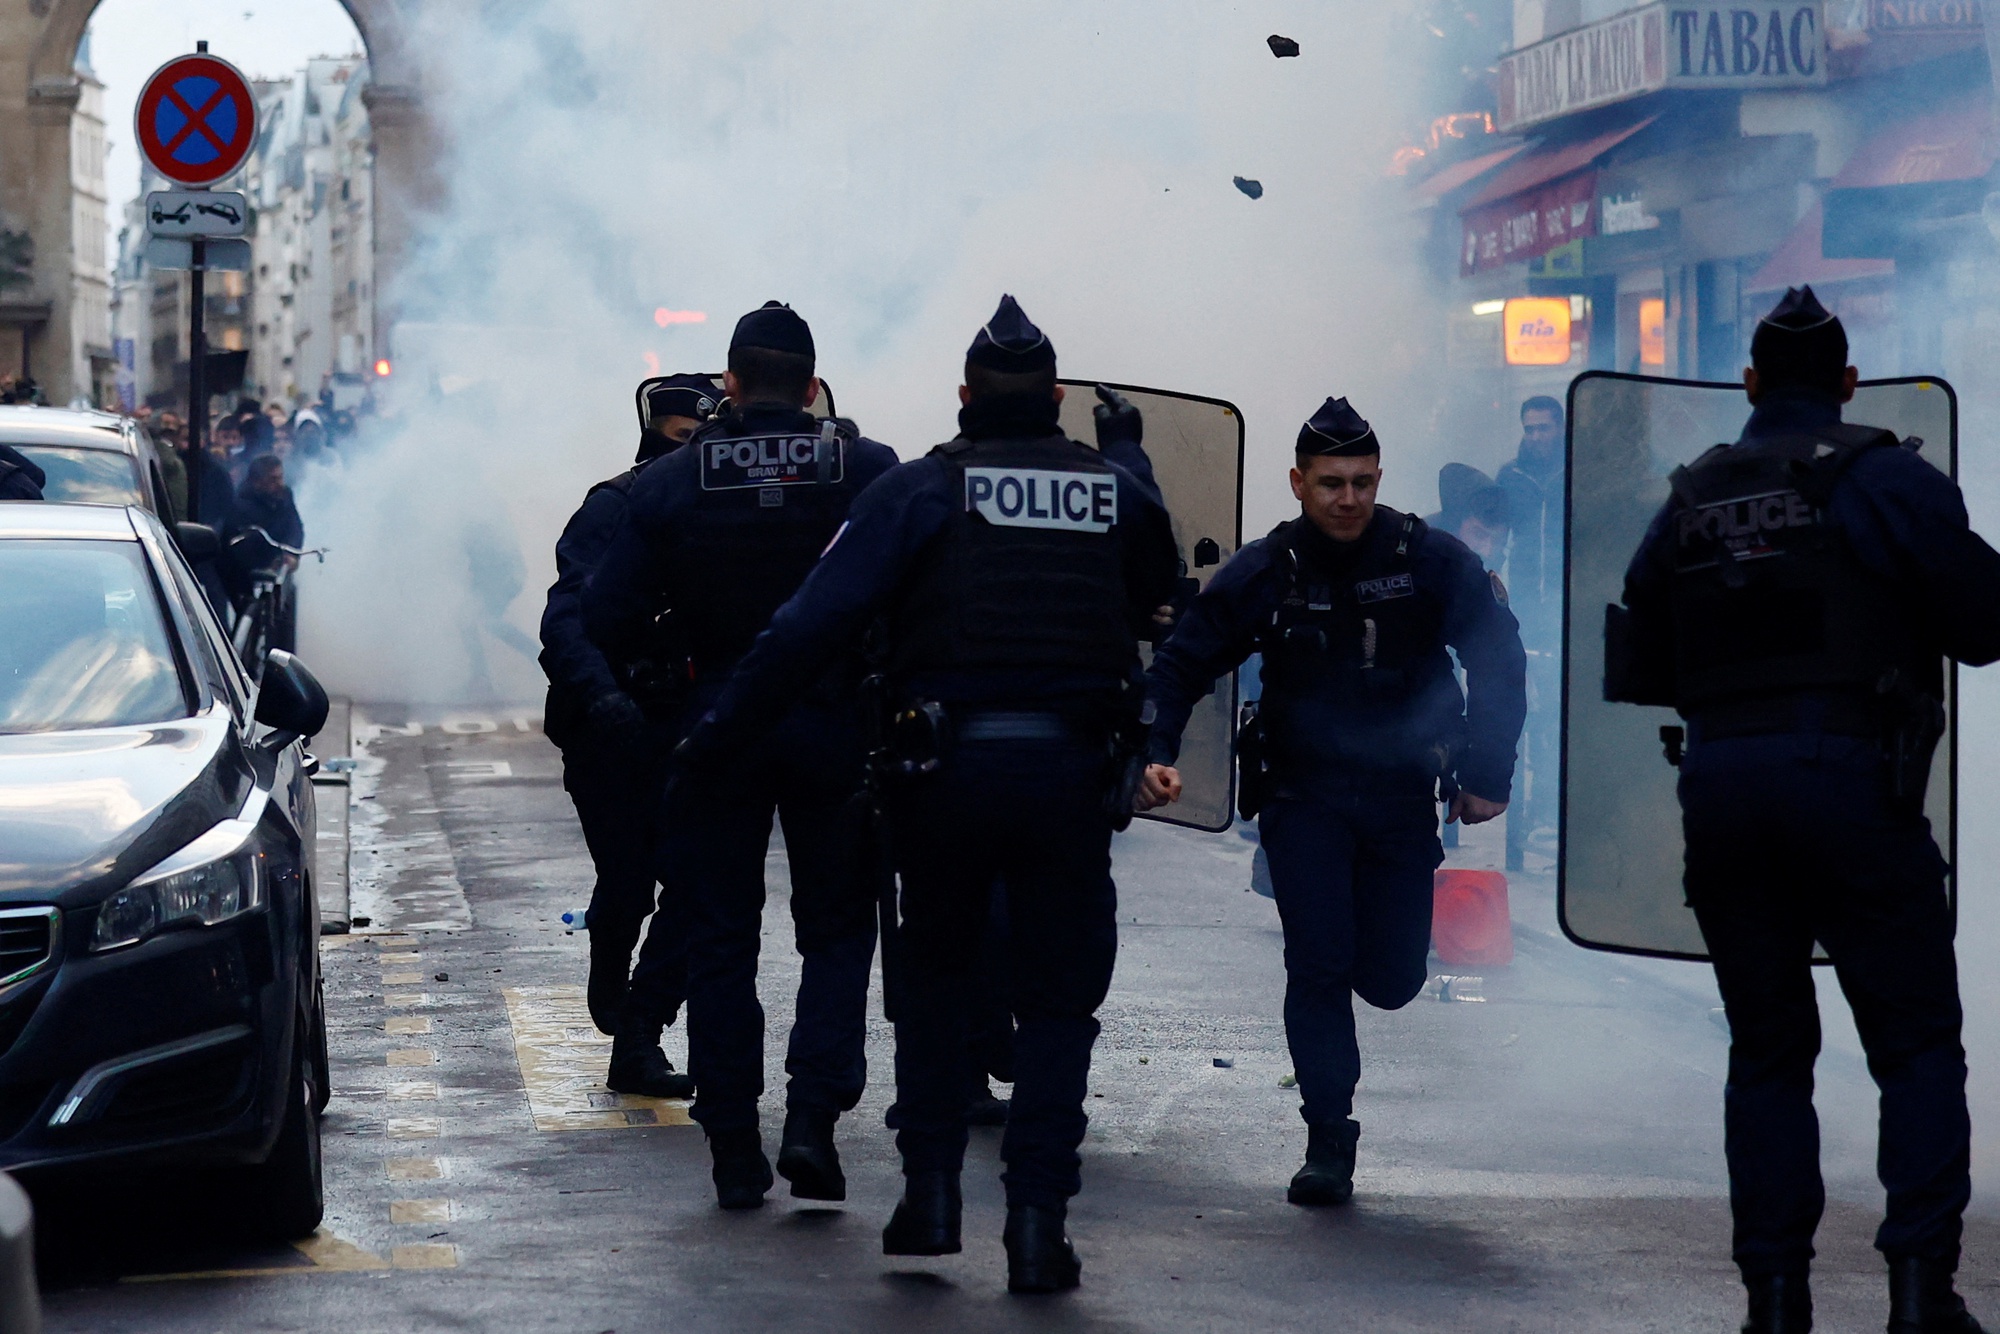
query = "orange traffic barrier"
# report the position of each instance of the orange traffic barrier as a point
(1469, 919)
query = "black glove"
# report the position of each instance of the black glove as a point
(613, 717)
(1117, 420)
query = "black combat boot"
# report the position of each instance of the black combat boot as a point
(926, 1221)
(742, 1173)
(1328, 1176)
(1923, 1301)
(638, 1066)
(1779, 1304)
(1039, 1256)
(610, 976)
(807, 1157)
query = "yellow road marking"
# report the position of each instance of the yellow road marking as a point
(421, 1090)
(412, 1127)
(413, 1056)
(420, 1211)
(401, 979)
(414, 1169)
(321, 1253)
(424, 1255)
(562, 1058)
(403, 1000)
(406, 1026)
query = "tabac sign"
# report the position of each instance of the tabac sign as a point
(1642, 51)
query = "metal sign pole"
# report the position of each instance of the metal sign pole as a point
(197, 382)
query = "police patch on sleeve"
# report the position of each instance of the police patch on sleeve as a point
(1075, 502)
(1499, 589)
(771, 460)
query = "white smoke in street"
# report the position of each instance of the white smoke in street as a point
(889, 171)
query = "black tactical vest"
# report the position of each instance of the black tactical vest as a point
(1769, 601)
(1356, 674)
(769, 501)
(1028, 574)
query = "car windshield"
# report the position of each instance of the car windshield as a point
(86, 476)
(83, 639)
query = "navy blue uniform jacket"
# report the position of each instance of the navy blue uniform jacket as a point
(866, 567)
(1902, 518)
(1222, 627)
(572, 663)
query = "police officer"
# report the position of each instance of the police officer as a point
(1533, 482)
(1016, 570)
(1353, 606)
(20, 478)
(721, 533)
(1794, 600)
(610, 774)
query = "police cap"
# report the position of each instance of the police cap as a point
(1800, 344)
(1010, 343)
(775, 327)
(681, 396)
(1338, 430)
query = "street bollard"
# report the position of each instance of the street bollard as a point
(20, 1304)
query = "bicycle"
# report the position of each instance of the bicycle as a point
(268, 618)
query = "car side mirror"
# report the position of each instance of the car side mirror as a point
(290, 700)
(197, 541)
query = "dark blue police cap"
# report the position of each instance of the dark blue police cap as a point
(1010, 343)
(775, 327)
(1800, 343)
(1337, 429)
(682, 396)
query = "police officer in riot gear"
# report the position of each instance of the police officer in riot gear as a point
(1794, 600)
(720, 534)
(609, 772)
(1353, 606)
(1016, 571)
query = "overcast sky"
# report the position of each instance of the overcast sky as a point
(129, 39)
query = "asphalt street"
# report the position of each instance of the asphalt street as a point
(1541, 1151)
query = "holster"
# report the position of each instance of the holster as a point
(1631, 676)
(1254, 783)
(1917, 723)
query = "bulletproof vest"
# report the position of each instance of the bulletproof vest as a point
(1028, 573)
(1769, 599)
(768, 502)
(1356, 674)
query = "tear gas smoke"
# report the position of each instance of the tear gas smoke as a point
(889, 172)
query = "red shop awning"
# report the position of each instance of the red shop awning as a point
(1428, 191)
(1537, 202)
(1952, 144)
(1798, 260)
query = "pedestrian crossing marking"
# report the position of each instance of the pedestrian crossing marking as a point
(562, 1058)
(406, 1026)
(413, 1056)
(415, 1091)
(412, 1127)
(413, 1169)
(420, 1211)
(424, 1255)
(321, 1253)
(401, 979)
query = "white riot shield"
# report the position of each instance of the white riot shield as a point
(822, 406)
(1196, 445)
(1621, 859)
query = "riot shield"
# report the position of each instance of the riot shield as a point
(1196, 445)
(1621, 855)
(822, 406)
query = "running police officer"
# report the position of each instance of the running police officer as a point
(720, 534)
(1016, 570)
(1352, 605)
(1804, 647)
(612, 774)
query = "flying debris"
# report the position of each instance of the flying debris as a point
(1255, 189)
(1282, 46)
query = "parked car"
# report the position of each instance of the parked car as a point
(91, 458)
(160, 998)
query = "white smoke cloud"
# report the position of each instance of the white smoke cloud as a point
(889, 171)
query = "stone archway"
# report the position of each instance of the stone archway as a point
(38, 95)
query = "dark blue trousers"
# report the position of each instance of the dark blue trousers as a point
(1353, 876)
(617, 795)
(714, 840)
(1031, 814)
(1790, 839)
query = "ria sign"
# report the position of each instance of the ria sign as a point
(1663, 46)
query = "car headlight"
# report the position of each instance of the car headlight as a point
(203, 895)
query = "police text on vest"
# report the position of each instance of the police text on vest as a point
(1076, 502)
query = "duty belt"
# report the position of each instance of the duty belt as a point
(1017, 727)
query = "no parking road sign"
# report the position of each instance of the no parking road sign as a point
(196, 120)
